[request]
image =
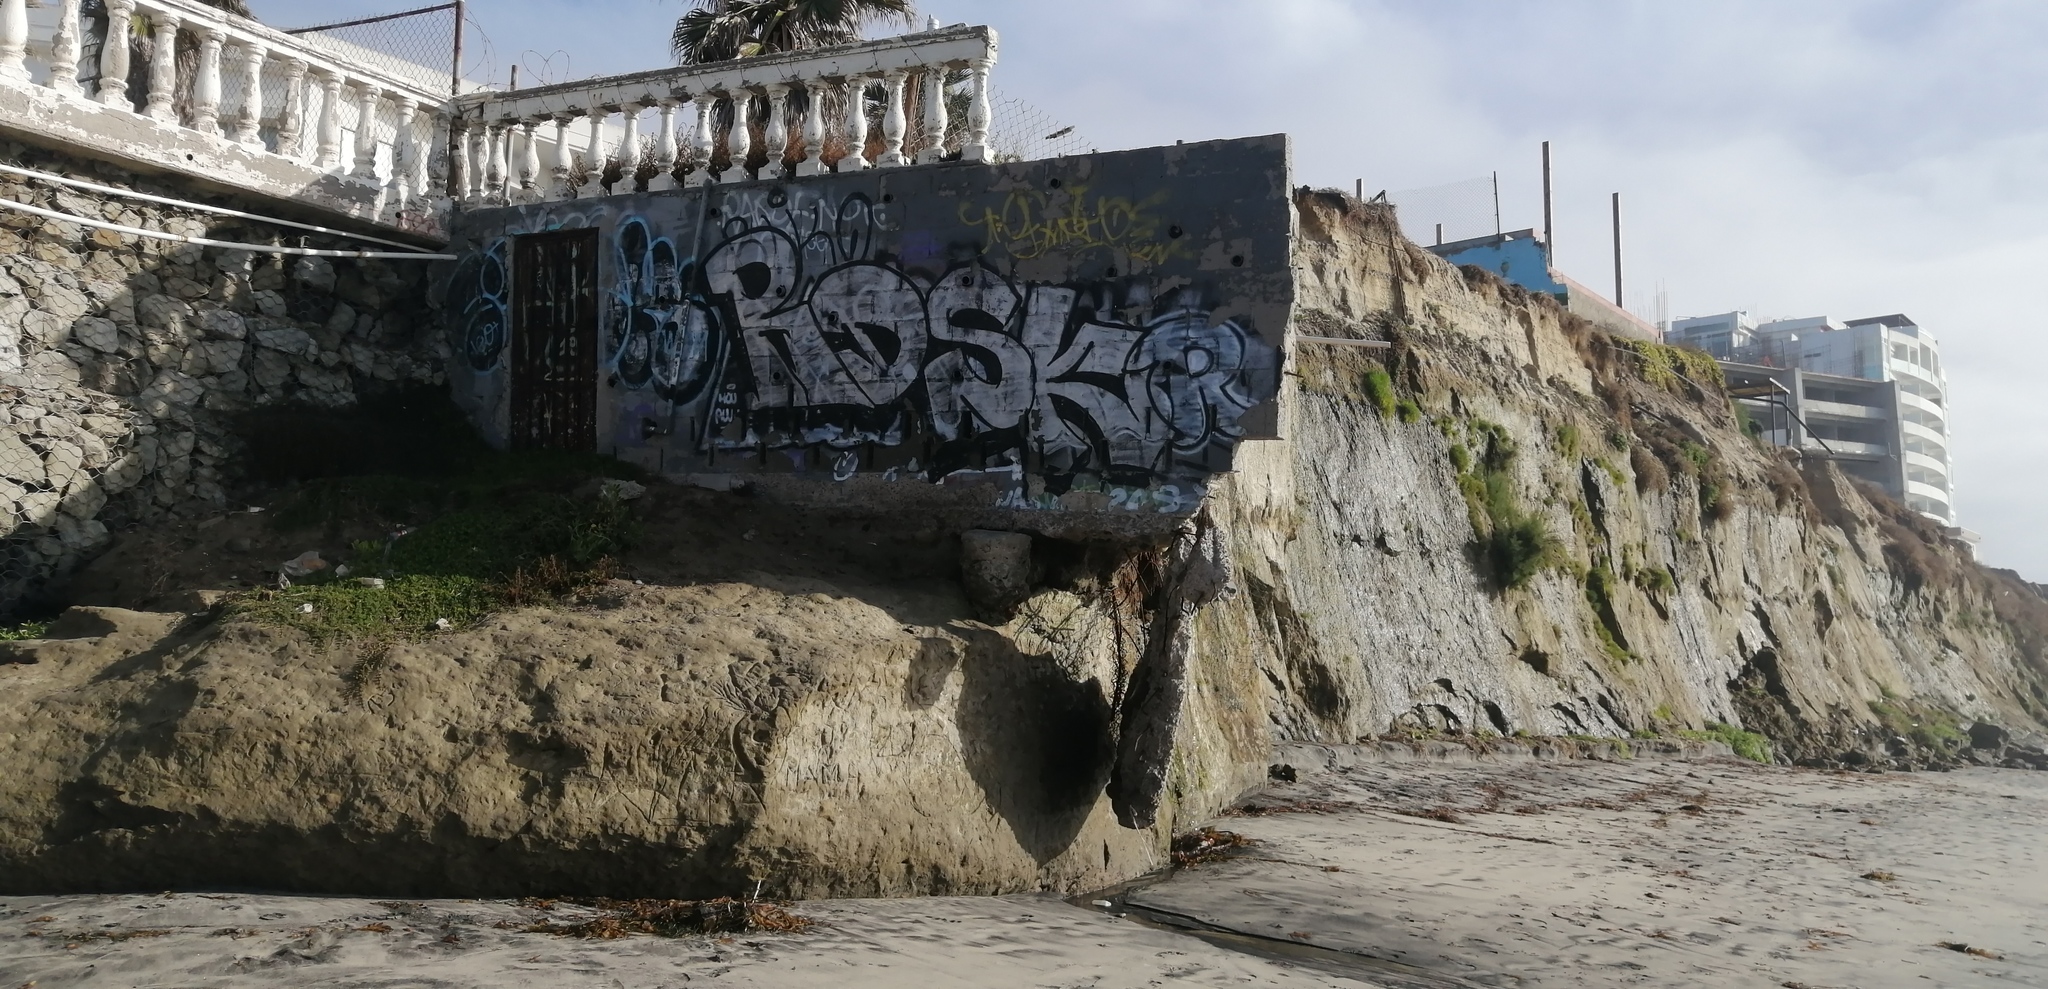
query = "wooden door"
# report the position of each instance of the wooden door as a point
(554, 341)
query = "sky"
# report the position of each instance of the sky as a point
(1845, 158)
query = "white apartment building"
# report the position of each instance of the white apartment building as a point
(1867, 393)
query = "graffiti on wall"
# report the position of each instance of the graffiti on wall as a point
(791, 327)
(813, 327)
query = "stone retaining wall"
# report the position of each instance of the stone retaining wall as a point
(123, 359)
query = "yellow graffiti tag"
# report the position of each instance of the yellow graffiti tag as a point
(1029, 225)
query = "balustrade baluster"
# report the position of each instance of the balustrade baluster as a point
(476, 149)
(328, 153)
(700, 141)
(496, 139)
(399, 189)
(529, 161)
(163, 68)
(459, 170)
(429, 167)
(291, 121)
(14, 40)
(775, 135)
(813, 129)
(629, 151)
(593, 157)
(979, 113)
(206, 83)
(856, 157)
(934, 116)
(558, 182)
(367, 97)
(64, 49)
(664, 150)
(893, 122)
(249, 122)
(114, 54)
(740, 141)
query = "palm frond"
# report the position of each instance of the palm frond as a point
(724, 29)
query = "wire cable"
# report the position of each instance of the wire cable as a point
(224, 211)
(230, 245)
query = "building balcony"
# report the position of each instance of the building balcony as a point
(1847, 448)
(1931, 493)
(1936, 465)
(1811, 409)
(1932, 408)
(1926, 434)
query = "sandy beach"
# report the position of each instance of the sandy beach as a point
(1650, 873)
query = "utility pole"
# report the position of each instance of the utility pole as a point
(1548, 243)
(1617, 252)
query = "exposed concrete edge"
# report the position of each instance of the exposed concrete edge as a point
(77, 126)
(970, 499)
(1310, 757)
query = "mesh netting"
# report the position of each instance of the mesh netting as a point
(1464, 209)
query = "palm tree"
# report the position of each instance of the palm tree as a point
(718, 30)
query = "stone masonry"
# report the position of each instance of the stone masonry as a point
(123, 360)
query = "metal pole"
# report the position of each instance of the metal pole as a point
(1496, 204)
(456, 136)
(1617, 251)
(1547, 241)
(1361, 188)
(455, 74)
(1439, 235)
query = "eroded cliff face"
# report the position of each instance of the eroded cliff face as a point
(793, 699)
(1696, 576)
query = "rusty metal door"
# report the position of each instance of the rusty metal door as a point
(554, 341)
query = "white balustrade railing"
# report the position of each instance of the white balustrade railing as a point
(918, 98)
(240, 83)
(811, 110)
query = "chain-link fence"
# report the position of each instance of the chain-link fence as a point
(1444, 213)
(417, 45)
(1023, 132)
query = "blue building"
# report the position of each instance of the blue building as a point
(1520, 257)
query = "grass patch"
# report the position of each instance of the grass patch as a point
(404, 608)
(1600, 597)
(1747, 744)
(1407, 411)
(24, 631)
(1654, 580)
(1928, 727)
(1667, 367)
(1379, 391)
(507, 530)
(1514, 544)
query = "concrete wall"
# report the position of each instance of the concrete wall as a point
(1090, 334)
